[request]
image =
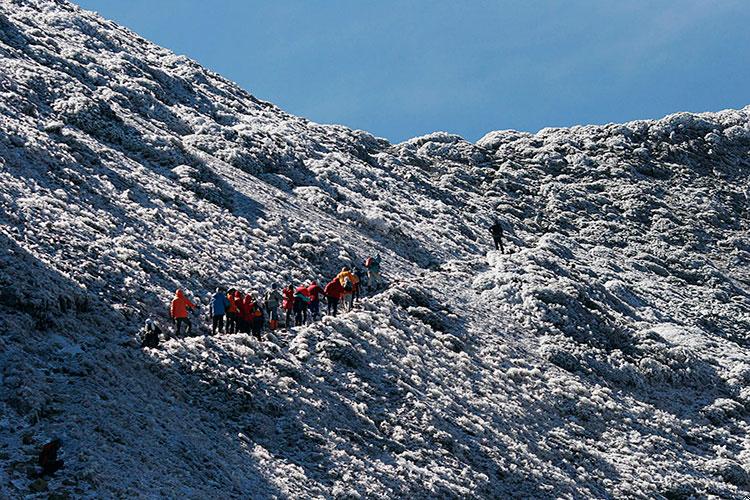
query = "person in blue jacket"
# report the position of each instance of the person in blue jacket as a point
(219, 305)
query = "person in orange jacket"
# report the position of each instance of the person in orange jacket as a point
(232, 311)
(178, 311)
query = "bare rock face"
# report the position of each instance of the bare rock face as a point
(604, 355)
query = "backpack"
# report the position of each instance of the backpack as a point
(348, 285)
(272, 299)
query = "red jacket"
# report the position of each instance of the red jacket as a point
(247, 308)
(180, 305)
(288, 294)
(314, 291)
(334, 289)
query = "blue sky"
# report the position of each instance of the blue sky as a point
(405, 68)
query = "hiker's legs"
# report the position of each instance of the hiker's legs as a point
(178, 326)
(257, 328)
(288, 319)
(373, 279)
(273, 318)
(314, 310)
(333, 305)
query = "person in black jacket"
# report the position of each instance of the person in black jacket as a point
(151, 334)
(497, 235)
(48, 458)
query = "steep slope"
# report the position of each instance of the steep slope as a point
(605, 357)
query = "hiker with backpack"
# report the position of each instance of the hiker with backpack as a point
(333, 292)
(372, 264)
(178, 311)
(346, 278)
(314, 291)
(288, 305)
(272, 302)
(497, 235)
(218, 307)
(151, 334)
(301, 299)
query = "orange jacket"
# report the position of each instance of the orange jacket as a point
(232, 304)
(180, 305)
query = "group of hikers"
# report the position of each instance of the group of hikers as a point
(232, 311)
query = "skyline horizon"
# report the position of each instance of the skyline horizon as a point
(452, 70)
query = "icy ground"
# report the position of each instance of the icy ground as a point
(605, 357)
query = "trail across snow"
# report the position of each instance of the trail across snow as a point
(606, 356)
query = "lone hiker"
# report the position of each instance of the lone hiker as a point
(219, 305)
(372, 264)
(178, 311)
(48, 458)
(497, 235)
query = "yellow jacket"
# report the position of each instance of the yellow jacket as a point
(343, 275)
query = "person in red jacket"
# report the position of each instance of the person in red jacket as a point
(288, 305)
(247, 313)
(314, 291)
(178, 311)
(334, 291)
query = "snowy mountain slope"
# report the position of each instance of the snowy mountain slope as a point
(605, 357)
